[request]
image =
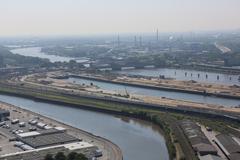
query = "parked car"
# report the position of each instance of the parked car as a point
(15, 121)
(22, 124)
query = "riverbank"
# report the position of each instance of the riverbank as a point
(110, 150)
(121, 93)
(209, 68)
(137, 138)
(105, 107)
(161, 115)
(75, 96)
(154, 114)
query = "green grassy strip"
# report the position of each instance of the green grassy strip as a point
(164, 120)
(110, 106)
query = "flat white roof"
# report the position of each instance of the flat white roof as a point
(47, 127)
(60, 128)
(70, 146)
(41, 124)
(28, 134)
(78, 145)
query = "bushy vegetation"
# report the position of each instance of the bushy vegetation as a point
(8, 58)
(77, 51)
(62, 156)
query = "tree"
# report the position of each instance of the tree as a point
(60, 156)
(49, 157)
(71, 156)
(80, 157)
(72, 64)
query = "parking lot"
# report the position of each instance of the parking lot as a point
(19, 122)
(8, 131)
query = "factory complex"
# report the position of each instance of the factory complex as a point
(28, 139)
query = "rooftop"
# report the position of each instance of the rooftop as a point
(229, 143)
(40, 141)
(210, 157)
(78, 145)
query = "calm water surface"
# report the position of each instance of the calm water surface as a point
(138, 140)
(119, 88)
(36, 52)
(181, 74)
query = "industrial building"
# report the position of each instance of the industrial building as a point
(46, 138)
(38, 154)
(197, 139)
(229, 145)
(4, 114)
(36, 144)
(19, 141)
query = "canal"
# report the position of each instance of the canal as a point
(178, 74)
(120, 88)
(139, 140)
(187, 75)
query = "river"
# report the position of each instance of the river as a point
(119, 88)
(178, 74)
(36, 52)
(182, 74)
(139, 140)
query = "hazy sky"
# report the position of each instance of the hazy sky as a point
(71, 17)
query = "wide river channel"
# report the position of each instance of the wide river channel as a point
(36, 52)
(178, 74)
(138, 140)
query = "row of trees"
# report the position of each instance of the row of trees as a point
(62, 156)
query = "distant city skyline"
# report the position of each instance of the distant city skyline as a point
(91, 17)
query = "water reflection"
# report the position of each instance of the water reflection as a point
(119, 88)
(36, 52)
(139, 140)
(182, 74)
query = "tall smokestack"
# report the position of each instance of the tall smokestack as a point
(140, 41)
(135, 41)
(157, 35)
(118, 40)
